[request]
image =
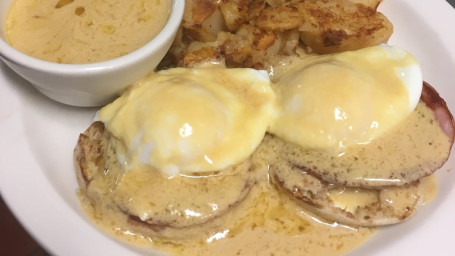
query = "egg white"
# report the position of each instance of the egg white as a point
(191, 120)
(339, 100)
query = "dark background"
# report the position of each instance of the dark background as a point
(14, 240)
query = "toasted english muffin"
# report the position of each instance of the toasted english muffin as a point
(343, 204)
(357, 206)
(146, 200)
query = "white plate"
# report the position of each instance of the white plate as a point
(37, 137)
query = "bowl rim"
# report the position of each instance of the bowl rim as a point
(10, 54)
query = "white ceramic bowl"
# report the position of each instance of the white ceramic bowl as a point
(92, 84)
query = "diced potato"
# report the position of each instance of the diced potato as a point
(339, 25)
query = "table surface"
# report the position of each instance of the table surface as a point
(14, 239)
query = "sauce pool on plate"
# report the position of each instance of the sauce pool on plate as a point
(83, 31)
(265, 223)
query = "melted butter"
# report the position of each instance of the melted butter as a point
(192, 120)
(83, 31)
(335, 101)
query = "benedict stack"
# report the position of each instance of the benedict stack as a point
(173, 152)
(352, 140)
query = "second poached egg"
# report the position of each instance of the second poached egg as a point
(338, 100)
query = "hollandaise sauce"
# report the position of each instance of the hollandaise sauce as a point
(262, 222)
(265, 222)
(83, 31)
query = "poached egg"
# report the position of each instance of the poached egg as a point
(191, 120)
(350, 98)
